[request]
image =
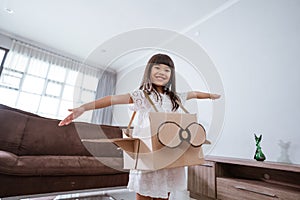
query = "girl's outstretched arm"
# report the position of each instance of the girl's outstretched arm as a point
(202, 95)
(99, 103)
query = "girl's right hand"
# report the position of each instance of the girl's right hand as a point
(75, 112)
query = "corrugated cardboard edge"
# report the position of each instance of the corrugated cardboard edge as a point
(126, 144)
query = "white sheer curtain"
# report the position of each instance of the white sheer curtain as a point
(47, 84)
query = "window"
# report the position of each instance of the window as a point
(3, 53)
(43, 87)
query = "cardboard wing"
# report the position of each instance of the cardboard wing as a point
(126, 144)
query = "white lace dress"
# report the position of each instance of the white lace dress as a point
(156, 184)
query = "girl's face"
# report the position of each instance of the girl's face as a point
(160, 74)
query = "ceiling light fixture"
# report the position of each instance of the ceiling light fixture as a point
(9, 11)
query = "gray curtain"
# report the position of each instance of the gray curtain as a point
(106, 86)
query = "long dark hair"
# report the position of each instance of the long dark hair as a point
(169, 88)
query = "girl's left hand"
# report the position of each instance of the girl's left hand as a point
(214, 96)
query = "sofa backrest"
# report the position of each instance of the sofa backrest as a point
(24, 134)
(5, 107)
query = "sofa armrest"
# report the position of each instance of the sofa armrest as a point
(7, 159)
(12, 164)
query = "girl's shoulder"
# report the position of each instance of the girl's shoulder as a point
(139, 100)
(138, 93)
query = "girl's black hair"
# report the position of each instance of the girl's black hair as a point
(169, 88)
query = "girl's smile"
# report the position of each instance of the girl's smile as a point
(160, 74)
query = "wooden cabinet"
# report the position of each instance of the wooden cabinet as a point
(236, 179)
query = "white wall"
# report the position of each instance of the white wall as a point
(5, 41)
(255, 46)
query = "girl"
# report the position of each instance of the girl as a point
(159, 83)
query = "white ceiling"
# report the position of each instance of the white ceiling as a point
(77, 27)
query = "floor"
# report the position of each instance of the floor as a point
(118, 193)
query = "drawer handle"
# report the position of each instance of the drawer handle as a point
(255, 191)
(207, 165)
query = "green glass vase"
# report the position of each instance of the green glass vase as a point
(259, 155)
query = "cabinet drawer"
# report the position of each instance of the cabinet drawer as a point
(237, 189)
(201, 180)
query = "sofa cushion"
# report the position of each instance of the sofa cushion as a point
(57, 165)
(45, 137)
(11, 130)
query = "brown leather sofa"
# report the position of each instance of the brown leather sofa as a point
(37, 156)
